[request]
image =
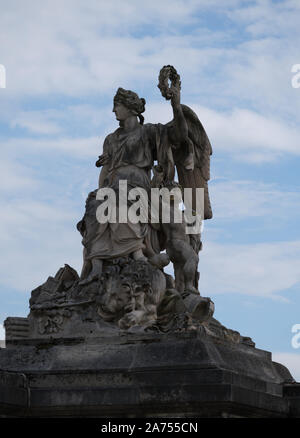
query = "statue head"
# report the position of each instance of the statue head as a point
(128, 103)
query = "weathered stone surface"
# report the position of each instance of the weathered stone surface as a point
(129, 294)
(16, 328)
(134, 374)
(291, 392)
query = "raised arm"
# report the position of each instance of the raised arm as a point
(179, 133)
(180, 127)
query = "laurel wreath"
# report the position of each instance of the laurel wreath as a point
(166, 74)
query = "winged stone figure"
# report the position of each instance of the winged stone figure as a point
(189, 143)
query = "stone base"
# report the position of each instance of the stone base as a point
(195, 374)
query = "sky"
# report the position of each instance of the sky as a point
(65, 59)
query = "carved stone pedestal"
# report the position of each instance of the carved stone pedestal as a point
(212, 372)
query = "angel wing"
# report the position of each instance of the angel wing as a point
(202, 150)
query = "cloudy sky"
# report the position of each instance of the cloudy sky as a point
(64, 60)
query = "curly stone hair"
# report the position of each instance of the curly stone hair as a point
(132, 101)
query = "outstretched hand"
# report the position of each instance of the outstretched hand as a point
(102, 160)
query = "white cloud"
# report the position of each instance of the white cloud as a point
(87, 147)
(265, 16)
(259, 74)
(36, 122)
(291, 361)
(80, 49)
(38, 239)
(14, 176)
(236, 200)
(263, 269)
(248, 135)
(85, 117)
(90, 51)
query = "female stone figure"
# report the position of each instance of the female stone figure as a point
(129, 154)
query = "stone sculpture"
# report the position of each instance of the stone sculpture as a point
(126, 338)
(122, 283)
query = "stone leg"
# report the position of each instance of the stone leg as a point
(189, 272)
(95, 273)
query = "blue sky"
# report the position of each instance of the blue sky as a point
(64, 61)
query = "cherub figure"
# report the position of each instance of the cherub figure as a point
(181, 247)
